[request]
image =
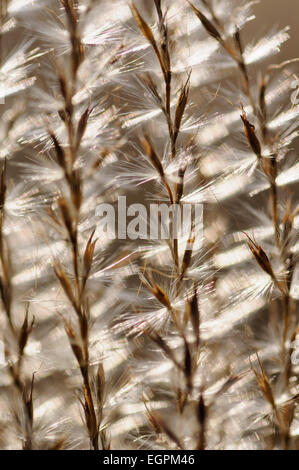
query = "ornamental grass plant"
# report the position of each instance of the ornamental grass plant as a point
(127, 339)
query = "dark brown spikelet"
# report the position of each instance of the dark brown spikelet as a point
(161, 296)
(66, 285)
(160, 426)
(291, 263)
(195, 316)
(187, 365)
(90, 417)
(261, 257)
(101, 382)
(151, 85)
(68, 107)
(2, 188)
(143, 26)
(252, 138)
(76, 185)
(179, 189)
(148, 34)
(63, 85)
(153, 419)
(180, 107)
(158, 7)
(264, 384)
(188, 254)
(88, 257)
(90, 414)
(74, 343)
(82, 126)
(263, 107)
(210, 28)
(201, 416)
(164, 47)
(153, 157)
(28, 404)
(29, 399)
(25, 332)
(201, 410)
(84, 320)
(77, 54)
(60, 153)
(66, 215)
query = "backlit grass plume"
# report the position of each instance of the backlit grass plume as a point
(135, 340)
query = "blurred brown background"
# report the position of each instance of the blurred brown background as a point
(271, 13)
